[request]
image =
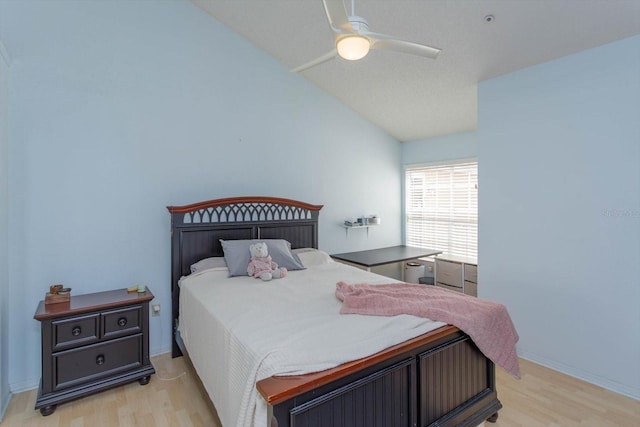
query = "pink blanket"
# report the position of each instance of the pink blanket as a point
(487, 323)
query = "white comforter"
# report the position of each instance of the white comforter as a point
(240, 330)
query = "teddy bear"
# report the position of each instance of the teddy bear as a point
(261, 266)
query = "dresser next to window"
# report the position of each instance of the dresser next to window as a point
(457, 273)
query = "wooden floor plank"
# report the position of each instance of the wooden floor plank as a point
(544, 397)
(175, 397)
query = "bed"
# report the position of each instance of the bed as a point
(434, 377)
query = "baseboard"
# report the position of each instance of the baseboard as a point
(26, 385)
(160, 350)
(4, 405)
(581, 375)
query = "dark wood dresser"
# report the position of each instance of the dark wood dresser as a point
(92, 343)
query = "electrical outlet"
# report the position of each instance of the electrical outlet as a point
(155, 309)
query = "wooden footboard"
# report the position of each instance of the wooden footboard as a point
(437, 379)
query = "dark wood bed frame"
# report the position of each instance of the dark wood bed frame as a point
(436, 379)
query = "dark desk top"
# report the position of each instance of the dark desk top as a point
(375, 257)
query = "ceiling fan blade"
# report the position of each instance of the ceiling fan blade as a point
(381, 41)
(324, 58)
(337, 16)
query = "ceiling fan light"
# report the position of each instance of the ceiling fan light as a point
(353, 47)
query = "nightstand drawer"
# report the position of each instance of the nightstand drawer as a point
(471, 273)
(471, 288)
(449, 273)
(72, 332)
(121, 322)
(89, 363)
(451, 288)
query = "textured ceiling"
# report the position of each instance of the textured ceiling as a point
(414, 98)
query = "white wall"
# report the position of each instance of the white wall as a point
(559, 210)
(119, 109)
(4, 245)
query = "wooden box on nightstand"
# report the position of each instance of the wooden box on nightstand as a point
(92, 343)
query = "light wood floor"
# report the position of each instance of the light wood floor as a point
(174, 397)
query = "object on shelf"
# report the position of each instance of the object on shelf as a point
(373, 220)
(362, 221)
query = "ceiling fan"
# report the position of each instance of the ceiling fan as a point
(353, 39)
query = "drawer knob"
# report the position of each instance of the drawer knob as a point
(76, 331)
(100, 359)
(122, 321)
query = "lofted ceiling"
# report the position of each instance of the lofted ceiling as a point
(414, 98)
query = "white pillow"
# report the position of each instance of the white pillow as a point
(310, 257)
(301, 250)
(207, 263)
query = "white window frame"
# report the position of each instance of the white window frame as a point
(446, 226)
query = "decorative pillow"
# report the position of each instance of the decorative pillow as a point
(237, 255)
(313, 257)
(207, 263)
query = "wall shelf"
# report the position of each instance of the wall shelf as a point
(349, 227)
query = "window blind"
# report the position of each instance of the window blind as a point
(442, 208)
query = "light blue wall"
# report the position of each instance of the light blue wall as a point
(559, 210)
(4, 218)
(119, 109)
(456, 146)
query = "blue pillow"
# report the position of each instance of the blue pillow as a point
(237, 255)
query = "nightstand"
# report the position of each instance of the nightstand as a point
(92, 343)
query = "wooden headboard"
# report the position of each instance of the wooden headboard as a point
(196, 231)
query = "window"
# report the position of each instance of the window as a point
(442, 207)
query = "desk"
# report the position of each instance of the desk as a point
(376, 257)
